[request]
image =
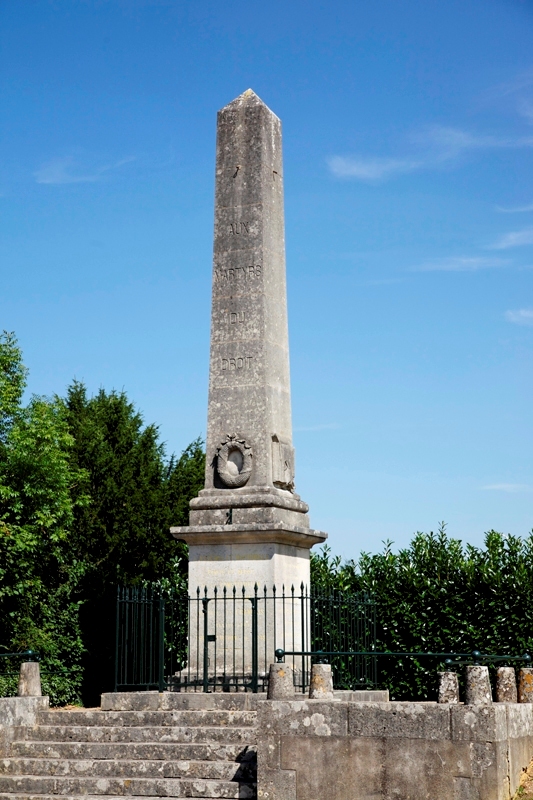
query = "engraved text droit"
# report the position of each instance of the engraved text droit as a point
(236, 364)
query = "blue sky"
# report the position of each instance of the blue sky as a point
(408, 150)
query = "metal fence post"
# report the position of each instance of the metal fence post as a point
(162, 682)
(255, 669)
(117, 633)
(205, 602)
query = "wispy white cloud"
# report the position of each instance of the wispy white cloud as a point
(522, 81)
(436, 145)
(525, 108)
(510, 488)
(513, 239)
(370, 169)
(516, 209)
(521, 316)
(65, 170)
(460, 264)
(327, 426)
(451, 142)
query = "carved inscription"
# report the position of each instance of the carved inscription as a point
(240, 274)
(235, 364)
(238, 228)
(236, 317)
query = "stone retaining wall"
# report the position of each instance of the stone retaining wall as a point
(313, 750)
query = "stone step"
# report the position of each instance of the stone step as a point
(19, 796)
(26, 796)
(168, 701)
(73, 733)
(115, 719)
(150, 752)
(140, 787)
(208, 770)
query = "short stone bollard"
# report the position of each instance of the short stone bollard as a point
(506, 685)
(321, 684)
(525, 685)
(448, 687)
(29, 679)
(280, 682)
(478, 691)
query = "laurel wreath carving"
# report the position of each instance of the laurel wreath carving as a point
(232, 474)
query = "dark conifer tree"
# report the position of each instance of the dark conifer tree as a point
(122, 535)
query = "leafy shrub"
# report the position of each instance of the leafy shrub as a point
(440, 595)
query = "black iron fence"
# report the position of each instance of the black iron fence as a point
(227, 641)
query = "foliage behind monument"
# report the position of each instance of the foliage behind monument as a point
(87, 496)
(439, 595)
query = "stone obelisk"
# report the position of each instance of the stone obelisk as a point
(247, 526)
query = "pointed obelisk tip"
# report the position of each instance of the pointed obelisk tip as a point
(247, 98)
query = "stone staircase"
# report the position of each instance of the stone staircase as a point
(200, 746)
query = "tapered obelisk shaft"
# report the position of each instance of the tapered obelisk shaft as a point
(248, 512)
(249, 391)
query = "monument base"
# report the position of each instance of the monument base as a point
(249, 595)
(248, 555)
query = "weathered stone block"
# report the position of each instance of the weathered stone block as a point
(130, 701)
(29, 679)
(344, 769)
(481, 723)
(321, 683)
(303, 717)
(21, 710)
(280, 682)
(477, 690)
(269, 748)
(276, 784)
(362, 695)
(465, 789)
(448, 687)
(400, 720)
(525, 685)
(519, 720)
(506, 690)
(420, 769)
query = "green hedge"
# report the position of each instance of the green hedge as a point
(439, 594)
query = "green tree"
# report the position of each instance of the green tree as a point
(122, 536)
(87, 497)
(39, 573)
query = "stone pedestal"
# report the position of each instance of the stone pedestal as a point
(249, 558)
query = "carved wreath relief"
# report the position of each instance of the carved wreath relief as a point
(234, 461)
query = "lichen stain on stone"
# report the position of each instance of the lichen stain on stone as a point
(320, 726)
(470, 719)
